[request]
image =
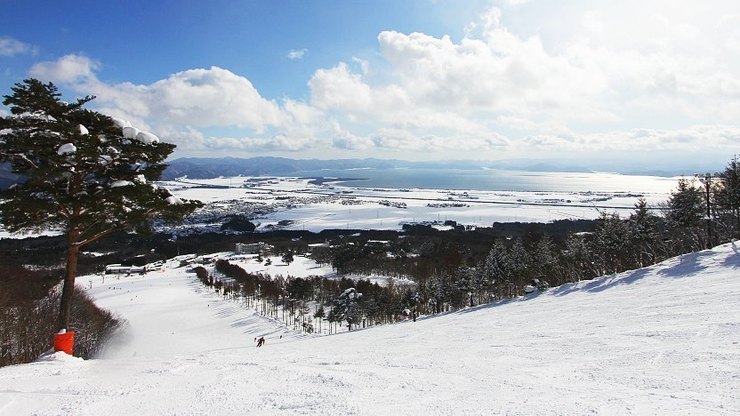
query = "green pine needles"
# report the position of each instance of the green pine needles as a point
(81, 172)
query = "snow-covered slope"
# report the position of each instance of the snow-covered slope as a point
(661, 340)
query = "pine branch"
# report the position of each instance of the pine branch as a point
(19, 156)
(94, 237)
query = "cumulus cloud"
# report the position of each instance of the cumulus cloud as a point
(210, 97)
(521, 80)
(69, 69)
(545, 89)
(13, 47)
(184, 101)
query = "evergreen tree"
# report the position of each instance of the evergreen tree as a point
(346, 307)
(644, 234)
(728, 198)
(81, 173)
(519, 262)
(320, 315)
(288, 257)
(467, 283)
(497, 269)
(577, 258)
(685, 215)
(544, 259)
(611, 243)
(412, 299)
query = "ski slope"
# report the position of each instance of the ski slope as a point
(663, 340)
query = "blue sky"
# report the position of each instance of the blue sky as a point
(642, 83)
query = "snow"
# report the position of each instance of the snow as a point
(66, 148)
(659, 340)
(306, 206)
(173, 200)
(121, 123)
(130, 132)
(147, 138)
(121, 183)
(83, 130)
(59, 356)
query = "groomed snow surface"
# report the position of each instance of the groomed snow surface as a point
(664, 340)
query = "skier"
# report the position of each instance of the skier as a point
(261, 341)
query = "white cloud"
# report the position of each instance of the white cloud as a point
(196, 98)
(525, 81)
(694, 139)
(297, 53)
(603, 74)
(211, 97)
(280, 142)
(13, 47)
(69, 69)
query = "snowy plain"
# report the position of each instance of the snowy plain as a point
(302, 204)
(299, 203)
(664, 340)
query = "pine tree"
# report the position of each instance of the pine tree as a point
(644, 233)
(497, 269)
(412, 300)
(346, 307)
(577, 258)
(81, 173)
(467, 283)
(728, 198)
(320, 314)
(685, 215)
(519, 263)
(543, 259)
(611, 243)
(288, 257)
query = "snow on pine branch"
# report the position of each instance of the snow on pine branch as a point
(131, 132)
(66, 148)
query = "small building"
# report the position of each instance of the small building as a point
(119, 269)
(252, 248)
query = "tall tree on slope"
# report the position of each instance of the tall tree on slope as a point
(82, 173)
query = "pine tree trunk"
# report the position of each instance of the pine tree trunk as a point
(69, 280)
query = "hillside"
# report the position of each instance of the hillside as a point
(660, 340)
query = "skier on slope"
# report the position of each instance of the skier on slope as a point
(261, 342)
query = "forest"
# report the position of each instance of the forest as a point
(464, 268)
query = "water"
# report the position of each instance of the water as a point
(499, 180)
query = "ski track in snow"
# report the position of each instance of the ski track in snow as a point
(661, 340)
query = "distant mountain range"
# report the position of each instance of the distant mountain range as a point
(201, 168)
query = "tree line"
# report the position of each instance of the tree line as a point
(29, 301)
(450, 274)
(305, 303)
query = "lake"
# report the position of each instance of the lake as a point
(499, 180)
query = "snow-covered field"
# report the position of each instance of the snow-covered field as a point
(303, 205)
(664, 340)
